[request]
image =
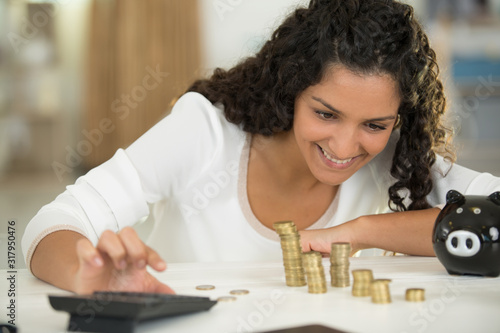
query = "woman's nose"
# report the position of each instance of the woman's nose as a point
(344, 143)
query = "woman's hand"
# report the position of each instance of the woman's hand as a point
(321, 239)
(402, 232)
(118, 263)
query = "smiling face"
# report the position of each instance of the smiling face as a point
(343, 122)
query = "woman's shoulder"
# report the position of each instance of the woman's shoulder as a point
(448, 175)
(193, 120)
(193, 103)
(196, 109)
(192, 140)
(193, 98)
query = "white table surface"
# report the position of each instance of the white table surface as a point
(453, 303)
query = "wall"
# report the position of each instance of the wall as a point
(232, 29)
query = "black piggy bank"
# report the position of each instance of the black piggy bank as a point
(466, 234)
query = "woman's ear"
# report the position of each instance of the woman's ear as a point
(398, 123)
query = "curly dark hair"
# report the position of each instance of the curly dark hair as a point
(366, 37)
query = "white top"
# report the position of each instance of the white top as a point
(191, 168)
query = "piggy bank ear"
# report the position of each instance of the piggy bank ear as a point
(454, 197)
(495, 197)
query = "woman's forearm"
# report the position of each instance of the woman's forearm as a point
(402, 232)
(55, 259)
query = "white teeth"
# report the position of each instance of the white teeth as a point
(334, 160)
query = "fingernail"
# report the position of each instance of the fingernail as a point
(161, 265)
(141, 264)
(98, 261)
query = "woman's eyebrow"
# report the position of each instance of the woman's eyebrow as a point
(328, 106)
(331, 108)
(382, 118)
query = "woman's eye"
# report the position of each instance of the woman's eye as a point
(325, 115)
(375, 127)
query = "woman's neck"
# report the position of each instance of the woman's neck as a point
(280, 154)
(280, 185)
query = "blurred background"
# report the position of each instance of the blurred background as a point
(81, 78)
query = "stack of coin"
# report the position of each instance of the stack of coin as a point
(380, 291)
(339, 264)
(415, 295)
(362, 280)
(292, 253)
(316, 281)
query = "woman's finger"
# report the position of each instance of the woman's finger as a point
(88, 254)
(304, 241)
(112, 246)
(155, 261)
(136, 250)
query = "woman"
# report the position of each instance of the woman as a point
(334, 124)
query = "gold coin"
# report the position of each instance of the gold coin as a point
(380, 291)
(312, 254)
(341, 246)
(361, 272)
(205, 287)
(239, 292)
(285, 230)
(415, 295)
(285, 226)
(296, 283)
(283, 223)
(226, 299)
(361, 286)
(364, 275)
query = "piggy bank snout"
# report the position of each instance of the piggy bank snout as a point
(463, 243)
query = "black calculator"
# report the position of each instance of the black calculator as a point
(122, 311)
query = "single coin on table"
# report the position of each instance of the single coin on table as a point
(205, 287)
(226, 299)
(239, 292)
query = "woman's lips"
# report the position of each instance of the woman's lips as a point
(334, 163)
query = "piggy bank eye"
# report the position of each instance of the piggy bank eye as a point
(477, 211)
(494, 233)
(460, 210)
